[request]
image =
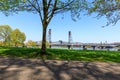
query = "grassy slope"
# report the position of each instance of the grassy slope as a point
(58, 54)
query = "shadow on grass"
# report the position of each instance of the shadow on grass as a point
(58, 54)
(19, 52)
(34, 69)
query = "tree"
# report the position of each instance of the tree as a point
(17, 37)
(47, 9)
(31, 43)
(1, 43)
(5, 32)
(10, 37)
(108, 8)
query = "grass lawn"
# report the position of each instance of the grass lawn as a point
(61, 54)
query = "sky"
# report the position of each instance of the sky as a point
(88, 29)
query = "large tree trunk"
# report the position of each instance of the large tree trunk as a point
(43, 49)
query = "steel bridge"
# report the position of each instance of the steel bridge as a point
(83, 45)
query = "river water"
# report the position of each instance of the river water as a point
(79, 48)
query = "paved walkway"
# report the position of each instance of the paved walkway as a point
(35, 69)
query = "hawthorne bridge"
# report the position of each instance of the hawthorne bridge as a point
(84, 46)
(77, 45)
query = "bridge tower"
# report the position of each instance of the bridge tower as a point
(69, 37)
(49, 37)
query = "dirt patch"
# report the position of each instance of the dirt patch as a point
(35, 69)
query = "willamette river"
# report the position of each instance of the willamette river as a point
(77, 48)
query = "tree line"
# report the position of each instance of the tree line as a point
(10, 37)
(35, 44)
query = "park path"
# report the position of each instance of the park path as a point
(35, 69)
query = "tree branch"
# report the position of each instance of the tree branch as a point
(45, 9)
(33, 5)
(65, 6)
(49, 3)
(40, 14)
(37, 9)
(53, 10)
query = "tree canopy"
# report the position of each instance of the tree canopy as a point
(108, 8)
(5, 32)
(17, 37)
(11, 37)
(48, 8)
(11, 6)
(31, 43)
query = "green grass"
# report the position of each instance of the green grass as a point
(59, 54)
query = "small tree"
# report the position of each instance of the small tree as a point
(1, 43)
(31, 43)
(17, 37)
(5, 32)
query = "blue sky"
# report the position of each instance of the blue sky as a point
(87, 30)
